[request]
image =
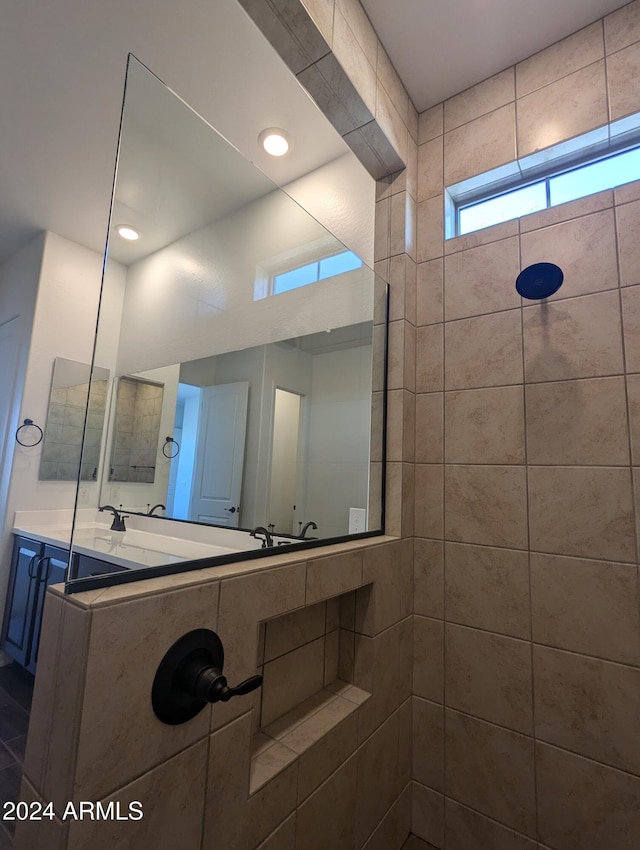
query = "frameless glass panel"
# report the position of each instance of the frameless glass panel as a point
(595, 177)
(347, 261)
(503, 208)
(201, 362)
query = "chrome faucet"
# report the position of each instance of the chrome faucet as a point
(267, 540)
(118, 518)
(151, 510)
(304, 529)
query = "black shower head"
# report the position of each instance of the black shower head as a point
(539, 280)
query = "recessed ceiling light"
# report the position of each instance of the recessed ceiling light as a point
(275, 141)
(127, 232)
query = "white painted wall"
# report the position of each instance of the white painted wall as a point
(195, 298)
(341, 196)
(19, 278)
(56, 285)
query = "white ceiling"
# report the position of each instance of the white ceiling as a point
(441, 47)
(62, 67)
(62, 70)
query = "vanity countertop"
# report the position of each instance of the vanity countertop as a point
(134, 548)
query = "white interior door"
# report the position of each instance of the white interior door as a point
(222, 427)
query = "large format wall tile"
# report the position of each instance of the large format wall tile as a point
(491, 770)
(584, 511)
(578, 422)
(480, 145)
(486, 504)
(583, 805)
(633, 395)
(428, 670)
(427, 815)
(428, 743)
(484, 426)
(429, 359)
(429, 428)
(377, 761)
(622, 27)
(430, 229)
(488, 588)
(227, 789)
(586, 606)
(291, 678)
(326, 818)
(387, 595)
(428, 578)
(588, 706)
(571, 106)
(481, 280)
(430, 169)
(575, 338)
(484, 97)
(561, 59)
(622, 74)
(489, 676)
(628, 223)
(468, 830)
(172, 798)
(483, 352)
(429, 505)
(631, 322)
(429, 292)
(584, 248)
(131, 737)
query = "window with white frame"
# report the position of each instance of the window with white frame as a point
(602, 159)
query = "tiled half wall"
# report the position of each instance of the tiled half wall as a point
(331, 762)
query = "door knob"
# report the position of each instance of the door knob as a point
(231, 510)
(190, 676)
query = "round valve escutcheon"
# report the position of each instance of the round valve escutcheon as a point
(190, 676)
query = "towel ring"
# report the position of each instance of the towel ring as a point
(29, 423)
(167, 445)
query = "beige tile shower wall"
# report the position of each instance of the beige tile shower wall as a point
(526, 626)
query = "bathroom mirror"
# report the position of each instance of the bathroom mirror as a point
(265, 332)
(63, 431)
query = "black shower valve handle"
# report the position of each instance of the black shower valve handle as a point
(211, 685)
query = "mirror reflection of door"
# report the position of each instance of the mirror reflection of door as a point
(284, 461)
(219, 454)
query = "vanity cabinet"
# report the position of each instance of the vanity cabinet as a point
(34, 566)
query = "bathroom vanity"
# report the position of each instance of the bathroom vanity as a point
(42, 552)
(34, 566)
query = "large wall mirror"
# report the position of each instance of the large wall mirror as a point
(248, 343)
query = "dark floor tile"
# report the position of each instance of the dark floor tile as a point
(6, 841)
(10, 778)
(14, 721)
(17, 747)
(414, 843)
(18, 683)
(6, 758)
